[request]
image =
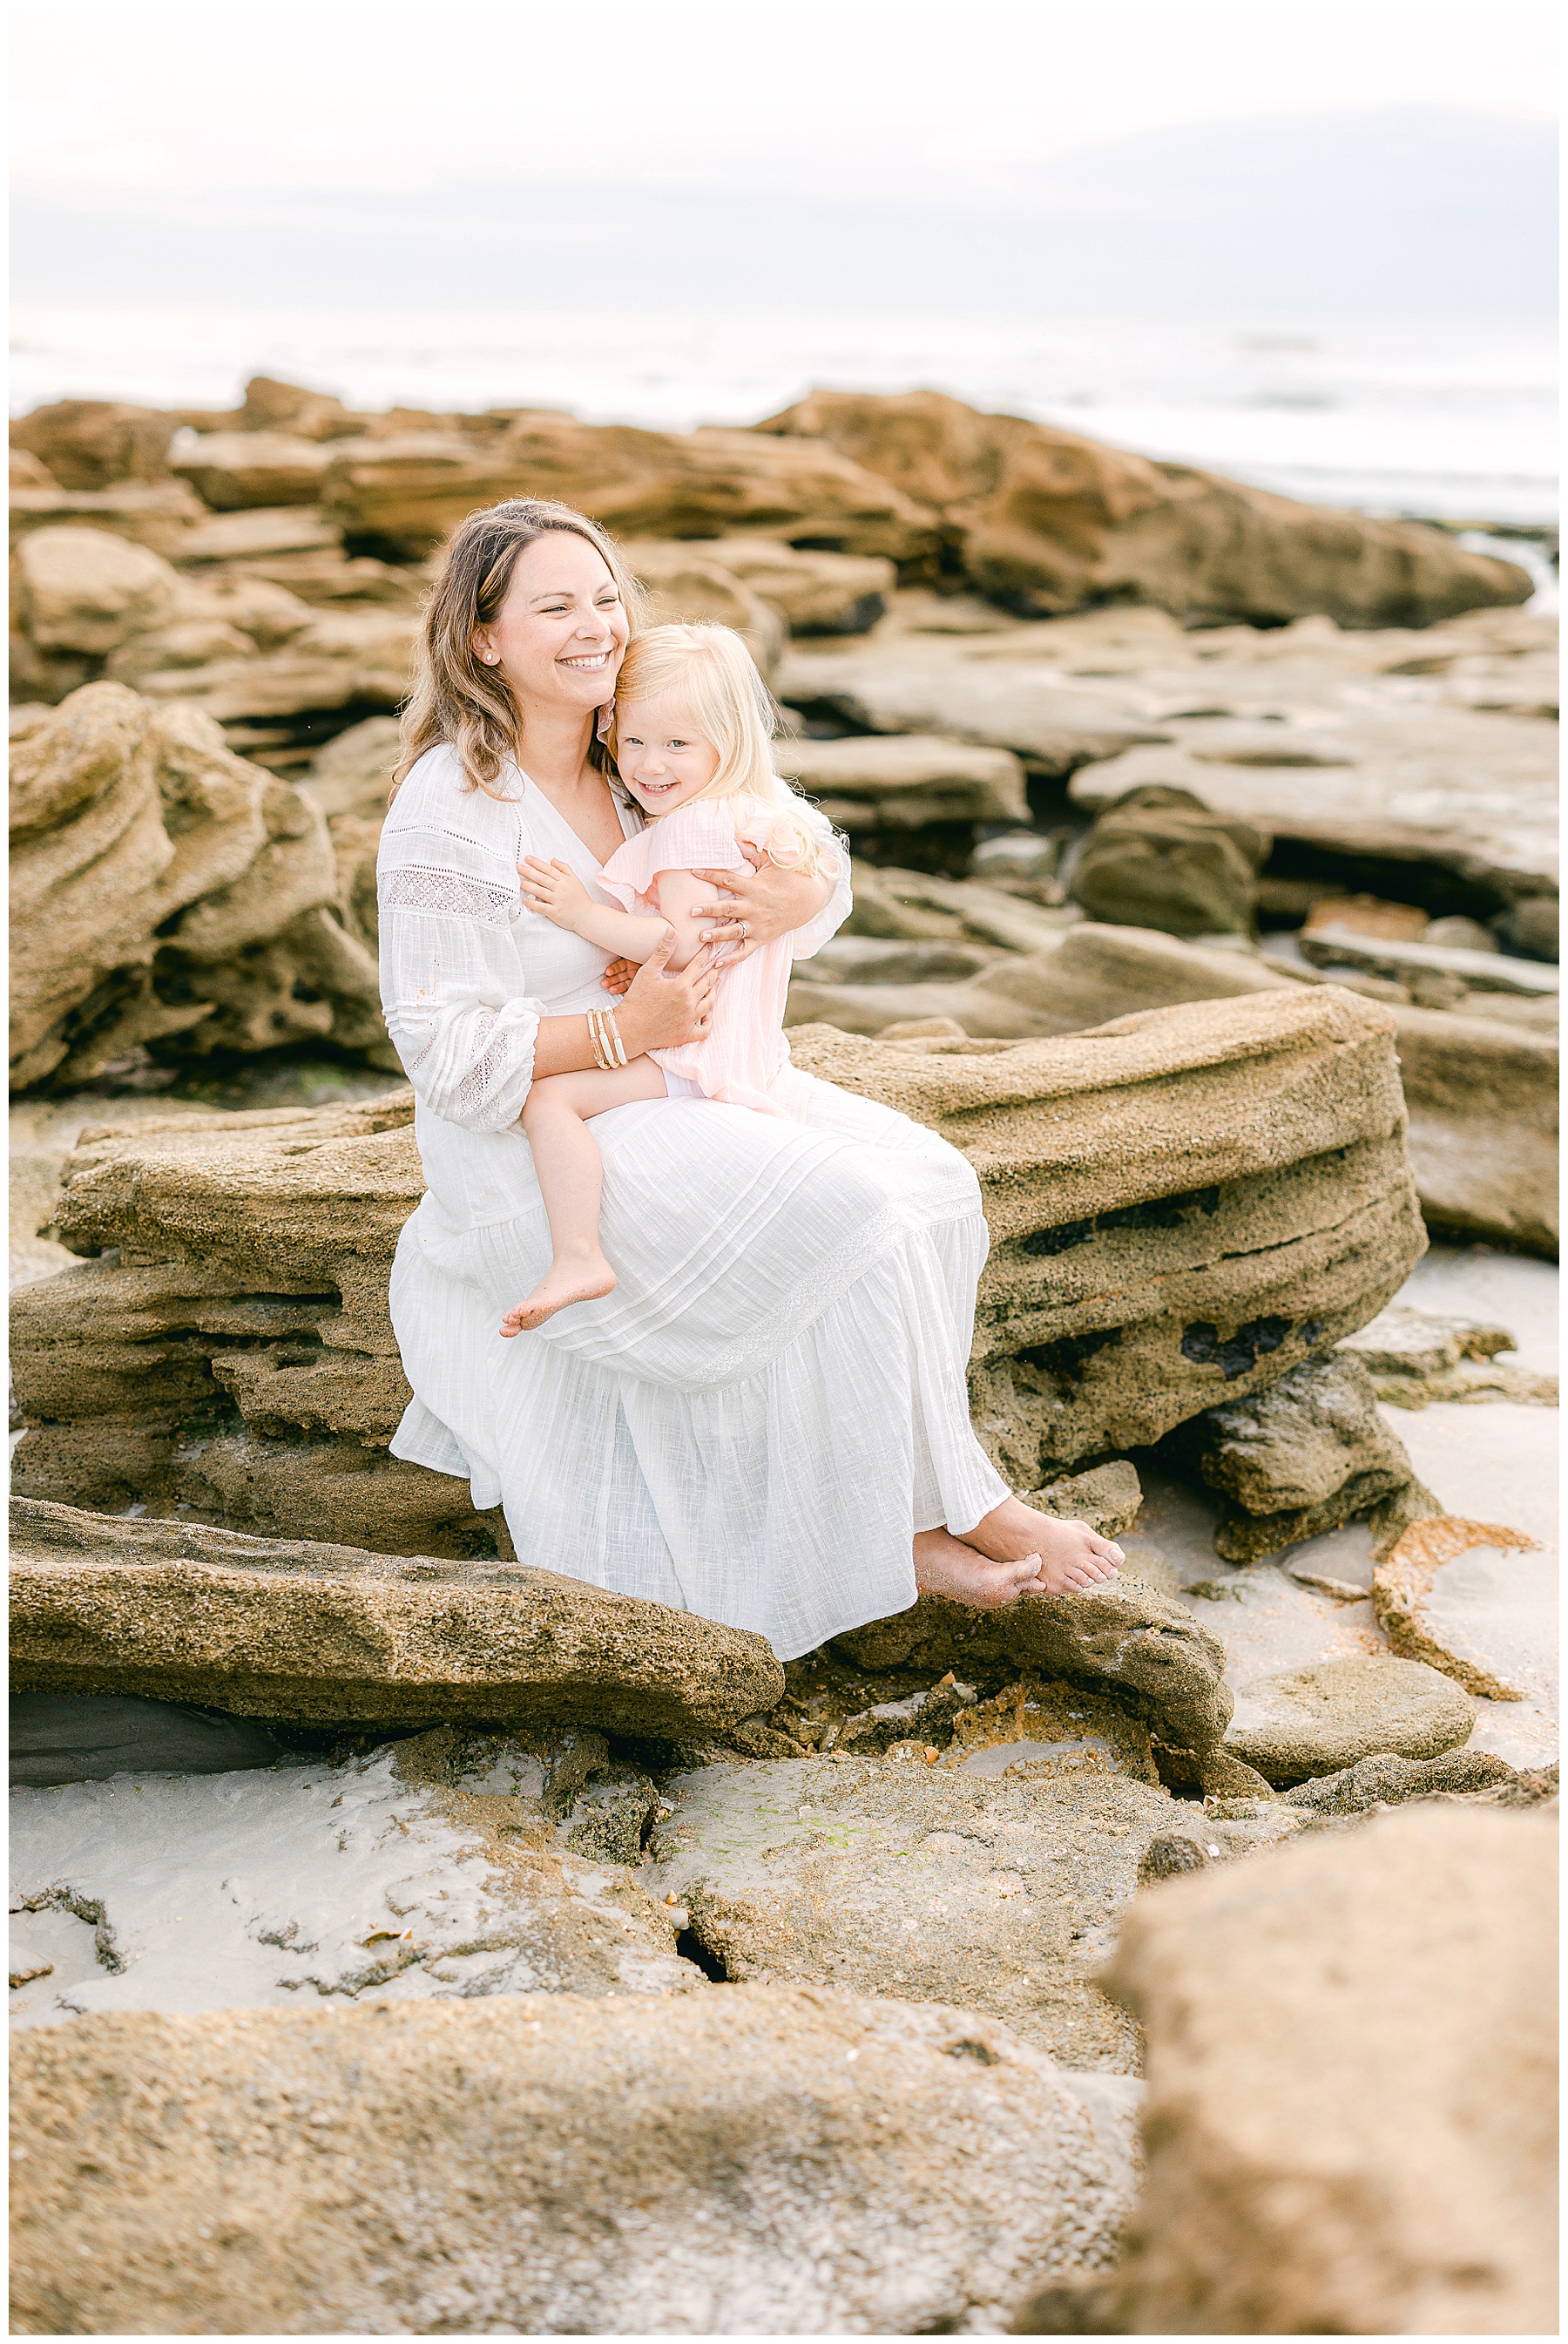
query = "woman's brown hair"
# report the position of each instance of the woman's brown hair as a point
(455, 697)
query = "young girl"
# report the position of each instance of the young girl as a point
(692, 732)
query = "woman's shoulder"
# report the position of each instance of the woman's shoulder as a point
(438, 784)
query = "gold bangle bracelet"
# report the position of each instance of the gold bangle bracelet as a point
(611, 1030)
(596, 1041)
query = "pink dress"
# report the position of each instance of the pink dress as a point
(743, 1060)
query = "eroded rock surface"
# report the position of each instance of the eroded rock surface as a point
(1351, 2122)
(1475, 1599)
(773, 2162)
(1321, 1719)
(277, 1629)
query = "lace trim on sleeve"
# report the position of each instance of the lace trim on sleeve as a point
(413, 888)
(495, 1064)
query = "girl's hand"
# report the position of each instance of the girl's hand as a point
(617, 976)
(760, 904)
(554, 889)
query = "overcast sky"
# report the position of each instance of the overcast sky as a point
(885, 153)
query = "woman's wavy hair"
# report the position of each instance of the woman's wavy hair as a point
(455, 697)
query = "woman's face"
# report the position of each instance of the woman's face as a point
(559, 635)
(660, 755)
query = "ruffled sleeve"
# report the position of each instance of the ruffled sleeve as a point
(447, 885)
(699, 837)
(835, 849)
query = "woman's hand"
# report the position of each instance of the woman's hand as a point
(554, 889)
(665, 1007)
(760, 906)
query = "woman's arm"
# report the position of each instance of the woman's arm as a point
(765, 903)
(663, 1008)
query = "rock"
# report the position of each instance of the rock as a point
(906, 783)
(27, 472)
(161, 518)
(164, 888)
(914, 904)
(1409, 962)
(1157, 858)
(964, 690)
(684, 585)
(1019, 854)
(1457, 934)
(1390, 1781)
(366, 1880)
(299, 1629)
(263, 1242)
(1322, 1719)
(814, 593)
(405, 495)
(1351, 2118)
(336, 659)
(1108, 1498)
(1483, 1135)
(1123, 1638)
(1364, 789)
(927, 1718)
(1366, 917)
(784, 2158)
(95, 443)
(1474, 1600)
(1531, 926)
(1414, 1357)
(235, 470)
(1045, 519)
(866, 960)
(65, 1738)
(1078, 1254)
(1166, 1858)
(1305, 1456)
(82, 590)
(929, 1884)
(259, 532)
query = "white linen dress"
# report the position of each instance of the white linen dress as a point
(773, 1399)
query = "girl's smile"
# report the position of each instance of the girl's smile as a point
(659, 755)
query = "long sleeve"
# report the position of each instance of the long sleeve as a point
(448, 899)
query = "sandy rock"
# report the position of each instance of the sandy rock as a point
(29, 472)
(1389, 1781)
(271, 1236)
(360, 1881)
(1158, 858)
(1046, 520)
(81, 590)
(814, 593)
(59, 1738)
(1533, 925)
(1416, 1357)
(891, 902)
(1108, 1498)
(1415, 964)
(95, 443)
(1307, 1455)
(684, 585)
(1457, 806)
(1482, 1136)
(234, 471)
(257, 532)
(161, 517)
(1322, 1719)
(928, 1884)
(1083, 1242)
(271, 1628)
(923, 684)
(781, 2161)
(164, 888)
(1021, 855)
(1475, 1599)
(353, 774)
(1351, 2117)
(405, 495)
(907, 782)
(338, 659)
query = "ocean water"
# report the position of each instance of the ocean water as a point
(1453, 418)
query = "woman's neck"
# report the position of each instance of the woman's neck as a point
(553, 749)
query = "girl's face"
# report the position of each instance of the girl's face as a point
(560, 632)
(662, 758)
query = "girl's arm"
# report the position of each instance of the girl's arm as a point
(555, 891)
(681, 895)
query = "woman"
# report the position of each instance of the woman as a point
(767, 1421)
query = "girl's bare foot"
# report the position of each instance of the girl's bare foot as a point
(1071, 1557)
(945, 1565)
(581, 1278)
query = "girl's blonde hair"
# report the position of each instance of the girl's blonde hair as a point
(715, 678)
(456, 696)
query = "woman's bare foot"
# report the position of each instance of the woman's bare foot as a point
(581, 1278)
(945, 1565)
(1071, 1557)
